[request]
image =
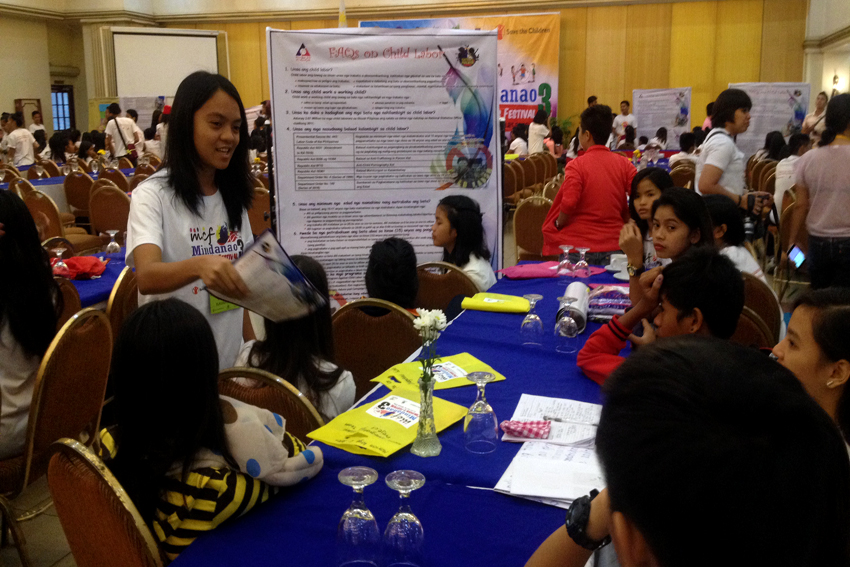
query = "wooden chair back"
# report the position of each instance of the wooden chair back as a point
(71, 300)
(102, 183)
(145, 169)
(768, 183)
(519, 173)
(274, 394)
(768, 169)
(77, 190)
(439, 283)
(125, 163)
(109, 209)
(102, 525)
(21, 187)
(757, 169)
(264, 179)
(260, 212)
(540, 168)
(37, 202)
(528, 227)
(529, 171)
(682, 175)
(553, 165)
(32, 174)
(84, 167)
(752, 331)
(136, 180)
(550, 191)
(116, 177)
(52, 168)
(11, 171)
(509, 185)
(154, 160)
(367, 345)
(788, 198)
(51, 244)
(762, 301)
(123, 300)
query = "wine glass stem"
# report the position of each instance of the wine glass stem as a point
(481, 397)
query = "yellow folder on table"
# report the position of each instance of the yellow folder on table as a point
(381, 428)
(449, 372)
(497, 303)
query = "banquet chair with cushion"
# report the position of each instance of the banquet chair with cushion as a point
(77, 189)
(682, 175)
(125, 163)
(519, 173)
(153, 160)
(757, 169)
(528, 227)
(11, 170)
(550, 191)
(439, 283)
(145, 169)
(123, 300)
(540, 168)
(260, 212)
(109, 209)
(83, 166)
(136, 180)
(553, 165)
(275, 394)
(116, 177)
(752, 331)
(762, 301)
(52, 168)
(39, 203)
(23, 187)
(529, 169)
(788, 198)
(32, 174)
(66, 402)
(102, 183)
(768, 169)
(512, 192)
(368, 344)
(768, 183)
(102, 525)
(786, 275)
(71, 299)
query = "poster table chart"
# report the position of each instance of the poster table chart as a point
(463, 525)
(54, 187)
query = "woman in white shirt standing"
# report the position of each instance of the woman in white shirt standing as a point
(30, 303)
(720, 167)
(189, 220)
(537, 131)
(814, 123)
(458, 230)
(786, 169)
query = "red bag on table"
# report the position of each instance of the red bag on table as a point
(79, 267)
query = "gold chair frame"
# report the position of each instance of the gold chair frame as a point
(125, 288)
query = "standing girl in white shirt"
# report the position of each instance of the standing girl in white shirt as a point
(189, 220)
(537, 131)
(457, 229)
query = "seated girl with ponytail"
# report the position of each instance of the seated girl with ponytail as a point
(458, 230)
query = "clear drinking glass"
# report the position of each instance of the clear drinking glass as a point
(564, 264)
(566, 328)
(60, 263)
(75, 167)
(2, 174)
(113, 247)
(39, 169)
(531, 329)
(358, 538)
(404, 536)
(94, 166)
(66, 169)
(581, 268)
(480, 427)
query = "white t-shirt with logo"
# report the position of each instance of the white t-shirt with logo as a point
(719, 150)
(159, 217)
(22, 141)
(128, 129)
(621, 121)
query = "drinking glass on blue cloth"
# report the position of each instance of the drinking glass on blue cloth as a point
(404, 536)
(566, 328)
(531, 329)
(358, 538)
(480, 427)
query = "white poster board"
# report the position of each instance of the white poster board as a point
(144, 105)
(372, 128)
(776, 106)
(667, 108)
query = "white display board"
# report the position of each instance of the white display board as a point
(663, 108)
(776, 106)
(154, 62)
(372, 128)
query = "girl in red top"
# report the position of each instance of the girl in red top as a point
(592, 204)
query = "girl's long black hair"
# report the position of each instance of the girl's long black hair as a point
(464, 216)
(165, 373)
(30, 301)
(658, 177)
(295, 349)
(691, 210)
(837, 118)
(181, 156)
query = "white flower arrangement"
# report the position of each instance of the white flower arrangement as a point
(429, 323)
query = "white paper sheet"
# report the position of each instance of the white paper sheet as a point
(532, 407)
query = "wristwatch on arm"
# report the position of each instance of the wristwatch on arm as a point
(635, 272)
(577, 518)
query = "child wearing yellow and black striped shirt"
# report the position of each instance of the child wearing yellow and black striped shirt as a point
(189, 459)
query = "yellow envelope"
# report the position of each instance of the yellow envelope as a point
(383, 427)
(451, 373)
(497, 303)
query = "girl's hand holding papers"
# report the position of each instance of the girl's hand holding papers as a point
(219, 275)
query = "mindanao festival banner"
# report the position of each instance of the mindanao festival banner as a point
(527, 58)
(663, 108)
(776, 106)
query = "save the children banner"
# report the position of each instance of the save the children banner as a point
(372, 128)
(528, 58)
(663, 108)
(776, 106)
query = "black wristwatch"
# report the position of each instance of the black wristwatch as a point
(634, 272)
(577, 517)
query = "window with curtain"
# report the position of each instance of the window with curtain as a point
(62, 102)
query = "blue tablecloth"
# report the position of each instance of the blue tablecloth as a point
(463, 526)
(61, 179)
(97, 290)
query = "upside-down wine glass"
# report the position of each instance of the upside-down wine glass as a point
(564, 265)
(94, 166)
(531, 329)
(113, 247)
(66, 169)
(480, 427)
(582, 269)
(404, 536)
(566, 328)
(358, 538)
(39, 170)
(59, 262)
